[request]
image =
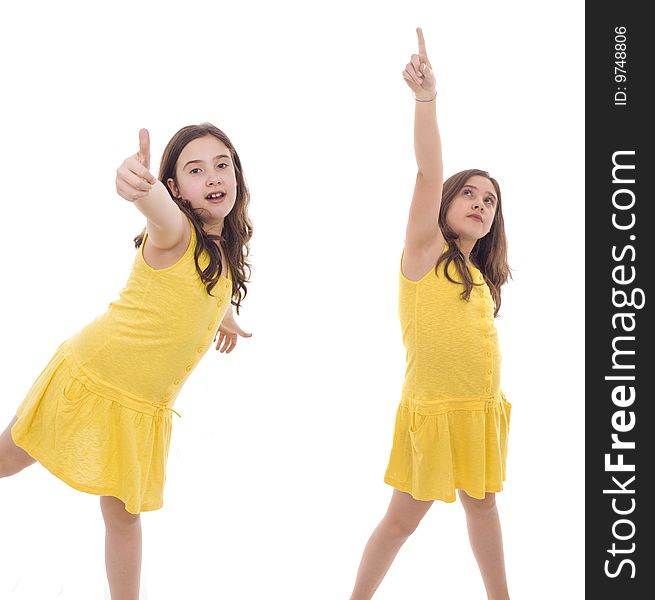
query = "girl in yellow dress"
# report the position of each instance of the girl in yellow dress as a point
(99, 415)
(453, 420)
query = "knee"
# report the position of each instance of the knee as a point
(9, 467)
(115, 514)
(401, 527)
(13, 459)
(473, 506)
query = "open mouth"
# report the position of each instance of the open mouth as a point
(215, 197)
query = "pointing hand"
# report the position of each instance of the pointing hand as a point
(418, 73)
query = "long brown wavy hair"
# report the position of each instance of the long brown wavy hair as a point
(237, 228)
(489, 254)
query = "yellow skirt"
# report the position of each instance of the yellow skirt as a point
(442, 446)
(95, 442)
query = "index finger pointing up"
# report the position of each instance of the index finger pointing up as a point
(421, 43)
(144, 148)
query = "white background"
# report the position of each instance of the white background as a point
(275, 471)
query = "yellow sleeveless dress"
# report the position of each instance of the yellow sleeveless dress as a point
(453, 420)
(99, 415)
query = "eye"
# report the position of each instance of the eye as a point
(467, 191)
(222, 165)
(195, 170)
(490, 200)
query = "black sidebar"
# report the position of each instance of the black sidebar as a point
(620, 267)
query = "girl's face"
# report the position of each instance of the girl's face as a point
(472, 210)
(204, 175)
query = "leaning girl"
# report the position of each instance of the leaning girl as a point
(99, 415)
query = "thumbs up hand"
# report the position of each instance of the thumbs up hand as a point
(133, 178)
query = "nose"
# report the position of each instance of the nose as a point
(213, 179)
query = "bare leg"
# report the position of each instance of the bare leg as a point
(402, 518)
(122, 549)
(487, 542)
(12, 458)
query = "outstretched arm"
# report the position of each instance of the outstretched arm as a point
(424, 240)
(166, 223)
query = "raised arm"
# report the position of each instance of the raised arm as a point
(424, 240)
(165, 221)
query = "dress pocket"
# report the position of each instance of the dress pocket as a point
(73, 392)
(416, 422)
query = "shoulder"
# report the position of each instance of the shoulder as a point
(162, 258)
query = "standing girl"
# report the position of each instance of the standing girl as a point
(99, 415)
(453, 420)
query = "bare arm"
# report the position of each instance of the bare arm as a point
(424, 240)
(165, 221)
(423, 221)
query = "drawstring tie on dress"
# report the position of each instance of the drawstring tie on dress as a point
(489, 405)
(161, 408)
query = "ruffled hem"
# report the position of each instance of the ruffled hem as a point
(93, 443)
(448, 499)
(444, 446)
(41, 456)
